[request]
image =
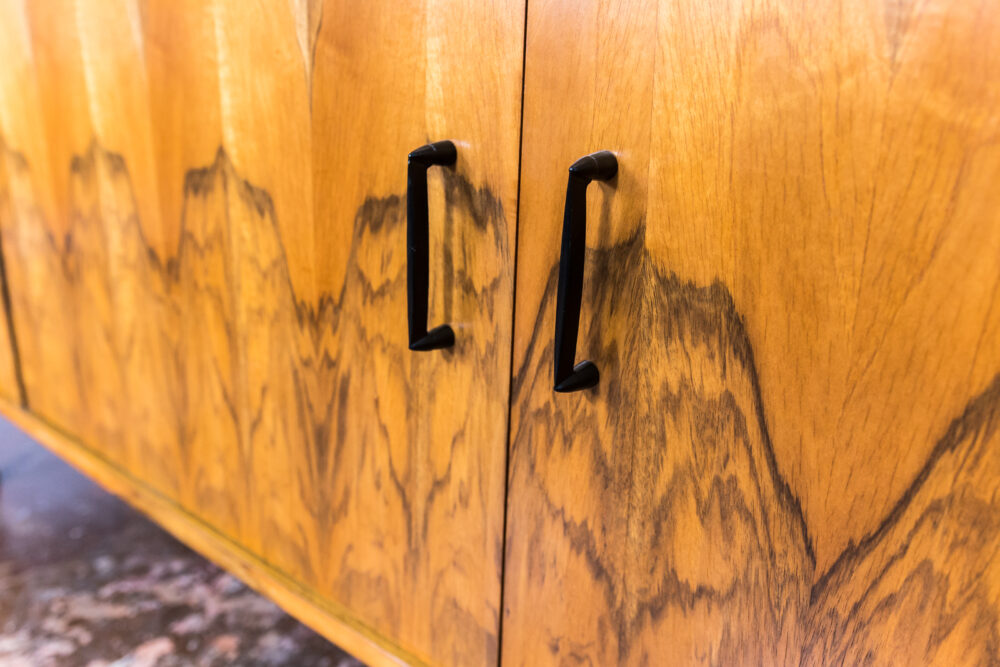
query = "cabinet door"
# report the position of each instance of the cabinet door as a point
(792, 295)
(204, 217)
(407, 450)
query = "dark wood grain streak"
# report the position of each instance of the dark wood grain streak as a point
(924, 585)
(693, 539)
(11, 377)
(321, 349)
(36, 260)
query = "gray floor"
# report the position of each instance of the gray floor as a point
(86, 580)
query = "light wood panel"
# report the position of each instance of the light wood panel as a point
(203, 256)
(209, 228)
(121, 170)
(97, 291)
(33, 235)
(792, 296)
(117, 97)
(266, 125)
(407, 466)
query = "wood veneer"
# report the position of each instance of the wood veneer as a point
(791, 295)
(208, 238)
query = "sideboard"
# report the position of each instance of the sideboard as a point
(550, 332)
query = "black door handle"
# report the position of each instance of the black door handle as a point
(418, 245)
(600, 166)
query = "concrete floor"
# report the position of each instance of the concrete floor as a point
(86, 580)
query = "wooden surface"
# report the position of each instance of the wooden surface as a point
(415, 453)
(335, 622)
(205, 239)
(11, 383)
(33, 234)
(792, 297)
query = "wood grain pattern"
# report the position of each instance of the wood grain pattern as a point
(11, 382)
(33, 233)
(792, 296)
(334, 621)
(220, 228)
(418, 467)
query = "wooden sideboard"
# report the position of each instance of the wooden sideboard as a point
(790, 288)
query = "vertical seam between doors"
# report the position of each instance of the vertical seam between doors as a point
(513, 318)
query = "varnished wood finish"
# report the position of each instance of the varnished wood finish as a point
(792, 296)
(416, 457)
(33, 234)
(11, 384)
(332, 620)
(206, 242)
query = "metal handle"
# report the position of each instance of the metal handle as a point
(418, 245)
(600, 166)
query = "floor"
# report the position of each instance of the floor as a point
(86, 580)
